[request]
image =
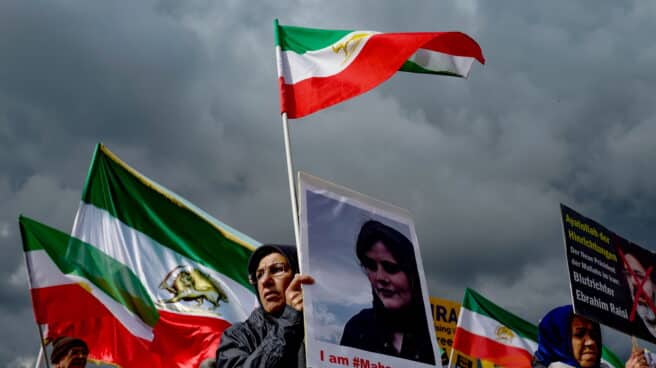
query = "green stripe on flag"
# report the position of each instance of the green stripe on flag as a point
(37, 236)
(611, 358)
(143, 205)
(75, 257)
(302, 40)
(475, 302)
(412, 67)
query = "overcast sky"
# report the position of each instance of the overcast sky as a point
(186, 92)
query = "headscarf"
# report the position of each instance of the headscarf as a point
(288, 251)
(555, 337)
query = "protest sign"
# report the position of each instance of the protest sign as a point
(369, 305)
(611, 278)
(445, 319)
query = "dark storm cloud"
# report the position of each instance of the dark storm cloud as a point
(564, 111)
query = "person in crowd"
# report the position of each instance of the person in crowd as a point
(566, 339)
(273, 335)
(647, 323)
(208, 363)
(69, 352)
(396, 324)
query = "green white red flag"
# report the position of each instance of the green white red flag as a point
(496, 337)
(156, 279)
(319, 68)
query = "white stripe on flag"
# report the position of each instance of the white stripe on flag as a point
(45, 273)
(323, 62)
(441, 62)
(151, 261)
(482, 325)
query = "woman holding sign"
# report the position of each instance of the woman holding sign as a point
(396, 324)
(566, 339)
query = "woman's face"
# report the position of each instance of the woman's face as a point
(585, 346)
(389, 282)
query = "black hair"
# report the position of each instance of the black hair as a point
(62, 345)
(396, 243)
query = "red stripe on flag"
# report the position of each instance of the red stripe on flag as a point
(62, 303)
(378, 60)
(187, 339)
(457, 44)
(180, 340)
(484, 348)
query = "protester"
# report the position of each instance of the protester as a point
(566, 339)
(396, 325)
(208, 363)
(68, 352)
(273, 335)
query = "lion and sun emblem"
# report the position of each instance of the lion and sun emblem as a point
(194, 288)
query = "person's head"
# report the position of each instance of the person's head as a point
(207, 363)
(569, 338)
(586, 341)
(271, 269)
(68, 352)
(387, 258)
(640, 272)
(644, 310)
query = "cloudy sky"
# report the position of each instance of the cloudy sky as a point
(186, 92)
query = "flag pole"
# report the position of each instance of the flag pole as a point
(39, 357)
(42, 349)
(292, 182)
(288, 150)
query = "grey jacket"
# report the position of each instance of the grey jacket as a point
(264, 341)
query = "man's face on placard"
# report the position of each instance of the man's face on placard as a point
(644, 310)
(640, 273)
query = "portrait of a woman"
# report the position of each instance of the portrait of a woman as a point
(396, 323)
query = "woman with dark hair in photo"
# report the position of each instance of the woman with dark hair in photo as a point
(396, 325)
(566, 339)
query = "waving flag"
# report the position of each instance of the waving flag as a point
(319, 68)
(171, 276)
(488, 333)
(71, 302)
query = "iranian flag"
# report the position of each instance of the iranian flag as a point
(319, 68)
(156, 279)
(488, 333)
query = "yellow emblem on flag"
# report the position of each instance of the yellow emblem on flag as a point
(504, 334)
(189, 284)
(350, 45)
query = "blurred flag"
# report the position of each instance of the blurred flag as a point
(71, 302)
(170, 275)
(319, 68)
(496, 337)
